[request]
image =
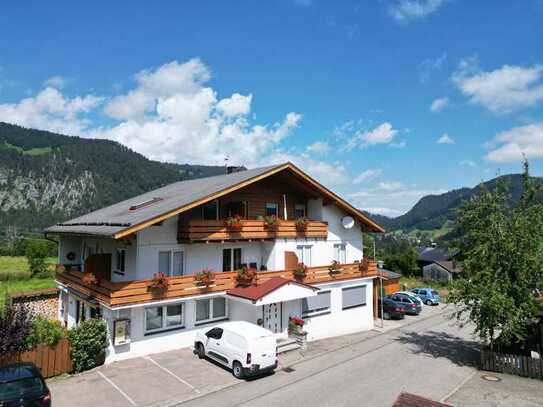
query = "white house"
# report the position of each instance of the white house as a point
(269, 219)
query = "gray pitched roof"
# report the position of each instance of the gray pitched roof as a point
(113, 219)
(434, 254)
(391, 275)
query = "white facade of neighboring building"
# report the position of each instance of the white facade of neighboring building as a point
(343, 307)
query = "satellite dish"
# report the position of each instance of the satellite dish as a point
(347, 222)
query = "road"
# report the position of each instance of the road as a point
(431, 357)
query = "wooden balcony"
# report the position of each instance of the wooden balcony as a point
(216, 230)
(136, 292)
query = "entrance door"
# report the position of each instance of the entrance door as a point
(272, 317)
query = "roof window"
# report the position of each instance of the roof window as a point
(145, 203)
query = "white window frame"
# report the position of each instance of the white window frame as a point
(170, 260)
(340, 248)
(164, 315)
(211, 319)
(117, 254)
(319, 311)
(232, 256)
(303, 248)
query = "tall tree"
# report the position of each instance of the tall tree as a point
(501, 249)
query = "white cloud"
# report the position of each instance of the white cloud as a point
(57, 82)
(318, 147)
(382, 134)
(503, 90)
(51, 110)
(235, 105)
(439, 104)
(390, 198)
(367, 175)
(445, 139)
(467, 163)
(511, 145)
(404, 11)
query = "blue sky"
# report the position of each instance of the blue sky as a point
(383, 101)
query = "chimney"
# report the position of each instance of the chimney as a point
(232, 169)
(380, 263)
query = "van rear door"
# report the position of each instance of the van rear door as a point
(263, 351)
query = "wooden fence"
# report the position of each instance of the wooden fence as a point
(51, 361)
(513, 364)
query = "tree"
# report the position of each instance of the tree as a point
(15, 325)
(501, 249)
(36, 252)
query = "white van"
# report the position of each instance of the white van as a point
(246, 348)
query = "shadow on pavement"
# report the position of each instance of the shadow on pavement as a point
(458, 350)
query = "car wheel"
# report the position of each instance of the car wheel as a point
(386, 315)
(200, 351)
(237, 370)
(428, 302)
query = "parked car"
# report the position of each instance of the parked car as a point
(413, 295)
(246, 348)
(21, 384)
(428, 295)
(411, 305)
(391, 309)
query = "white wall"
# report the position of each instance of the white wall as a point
(338, 321)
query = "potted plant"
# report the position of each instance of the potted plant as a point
(300, 271)
(301, 223)
(205, 277)
(60, 268)
(159, 282)
(246, 276)
(271, 222)
(295, 325)
(233, 222)
(335, 267)
(90, 279)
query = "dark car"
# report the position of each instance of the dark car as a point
(21, 384)
(411, 304)
(391, 309)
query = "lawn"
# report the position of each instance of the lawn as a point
(15, 277)
(414, 282)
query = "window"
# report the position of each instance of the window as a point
(210, 210)
(231, 259)
(215, 333)
(272, 209)
(120, 258)
(340, 253)
(317, 305)
(354, 297)
(304, 254)
(161, 318)
(171, 263)
(210, 310)
(299, 211)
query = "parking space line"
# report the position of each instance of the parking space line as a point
(172, 374)
(126, 396)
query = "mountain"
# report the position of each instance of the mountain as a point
(434, 211)
(47, 177)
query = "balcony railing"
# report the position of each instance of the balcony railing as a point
(216, 230)
(139, 291)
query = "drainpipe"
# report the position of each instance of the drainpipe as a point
(285, 206)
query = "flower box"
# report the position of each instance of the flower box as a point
(246, 277)
(205, 278)
(335, 268)
(295, 325)
(233, 222)
(90, 279)
(271, 222)
(159, 282)
(301, 224)
(300, 272)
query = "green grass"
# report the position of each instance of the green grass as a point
(15, 277)
(414, 282)
(37, 151)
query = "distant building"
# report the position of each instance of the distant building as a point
(437, 264)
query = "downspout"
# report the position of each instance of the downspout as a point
(285, 206)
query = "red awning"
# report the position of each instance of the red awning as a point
(257, 292)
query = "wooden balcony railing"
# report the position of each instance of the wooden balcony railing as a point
(216, 230)
(138, 291)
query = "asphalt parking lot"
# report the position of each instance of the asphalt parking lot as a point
(174, 377)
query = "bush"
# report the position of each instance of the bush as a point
(45, 332)
(15, 325)
(88, 343)
(36, 252)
